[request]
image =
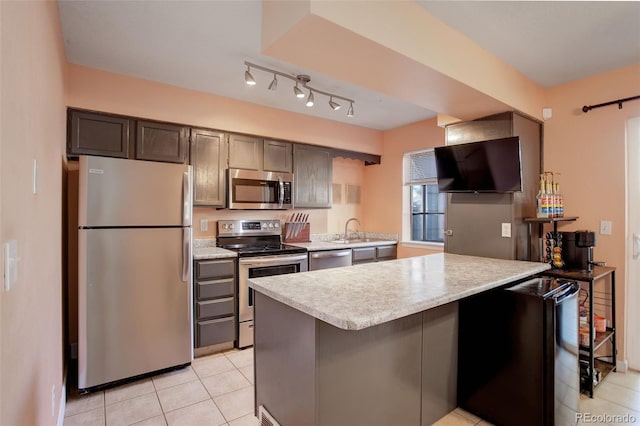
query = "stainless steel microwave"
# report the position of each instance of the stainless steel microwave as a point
(256, 190)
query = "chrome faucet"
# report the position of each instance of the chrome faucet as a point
(346, 227)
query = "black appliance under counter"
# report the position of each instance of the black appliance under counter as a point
(518, 354)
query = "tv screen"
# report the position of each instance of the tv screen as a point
(487, 166)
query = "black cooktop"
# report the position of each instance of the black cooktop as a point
(258, 246)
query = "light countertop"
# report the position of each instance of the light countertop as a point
(361, 296)
(328, 245)
(212, 253)
(205, 248)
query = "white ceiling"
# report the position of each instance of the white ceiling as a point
(202, 45)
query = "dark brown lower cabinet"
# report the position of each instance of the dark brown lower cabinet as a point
(374, 254)
(215, 301)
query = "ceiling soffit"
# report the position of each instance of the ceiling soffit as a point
(428, 64)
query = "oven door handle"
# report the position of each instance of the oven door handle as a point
(272, 260)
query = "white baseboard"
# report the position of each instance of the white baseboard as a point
(622, 365)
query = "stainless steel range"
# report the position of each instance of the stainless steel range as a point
(261, 253)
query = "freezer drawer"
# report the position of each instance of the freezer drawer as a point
(135, 313)
(215, 331)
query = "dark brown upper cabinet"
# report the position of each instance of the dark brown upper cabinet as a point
(313, 174)
(209, 162)
(99, 134)
(162, 142)
(278, 156)
(245, 152)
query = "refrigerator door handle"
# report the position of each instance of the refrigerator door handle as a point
(186, 211)
(636, 245)
(186, 253)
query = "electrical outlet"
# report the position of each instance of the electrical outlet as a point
(605, 227)
(506, 230)
(204, 225)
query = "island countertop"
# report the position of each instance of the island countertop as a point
(361, 296)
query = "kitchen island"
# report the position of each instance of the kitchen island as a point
(371, 344)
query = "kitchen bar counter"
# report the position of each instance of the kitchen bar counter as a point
(373, 344)
(361, 296)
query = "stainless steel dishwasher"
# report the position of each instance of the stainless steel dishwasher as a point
(329, 259)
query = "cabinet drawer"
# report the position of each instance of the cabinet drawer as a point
(215, 331)
(215, 268)
(215, 288)
(364, 254)
(215, 308)
(386, 252)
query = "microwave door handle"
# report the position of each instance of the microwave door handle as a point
(281, 192)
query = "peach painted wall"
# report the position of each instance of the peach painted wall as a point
(589, 152)
(98, 90)
(384, 182)
(32, 127)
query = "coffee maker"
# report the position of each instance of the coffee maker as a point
(577, 250)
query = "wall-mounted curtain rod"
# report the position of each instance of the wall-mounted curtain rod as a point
(619, 102)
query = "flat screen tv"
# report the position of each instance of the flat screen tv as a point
(486, 166)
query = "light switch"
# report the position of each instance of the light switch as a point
(10, 264)
(204, 225)
(35, 177)
(605, 227)
(506, 230)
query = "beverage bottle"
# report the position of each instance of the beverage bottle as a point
(541, 206)
(560, 201)
(550, 198)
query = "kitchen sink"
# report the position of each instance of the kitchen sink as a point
(357, 240)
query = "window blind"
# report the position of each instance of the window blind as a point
(422, 168)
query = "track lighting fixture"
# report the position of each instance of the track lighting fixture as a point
(248, 78)
(299, 80)
(274, 83)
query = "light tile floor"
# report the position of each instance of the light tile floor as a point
(217, 390)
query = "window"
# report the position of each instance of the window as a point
(427, 204)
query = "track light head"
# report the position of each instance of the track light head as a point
(350, 110)
(334, 105)
(274, 83)
(310, 99)
(299, 93)
(248, 78)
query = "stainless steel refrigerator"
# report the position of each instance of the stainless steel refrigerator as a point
(134, 269)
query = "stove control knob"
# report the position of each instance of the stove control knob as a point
(270, 225)
(224, 226)
(264, 225)
(277, 224)
(231, 226)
